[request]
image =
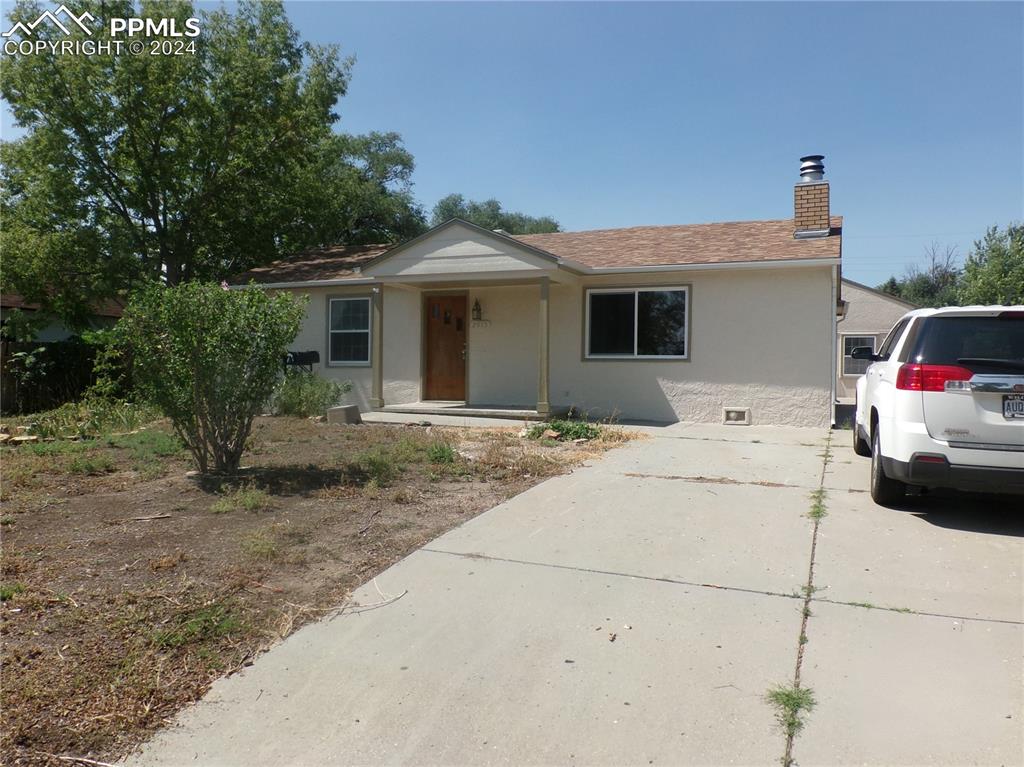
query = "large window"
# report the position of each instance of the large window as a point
(637, 323)
(348, 331)
(852, 367)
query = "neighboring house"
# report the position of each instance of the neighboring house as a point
(657, 323)
(104, 315)
(870, 315)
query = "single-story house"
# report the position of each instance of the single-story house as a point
(724, 322)
(870, 315)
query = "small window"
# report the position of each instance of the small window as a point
(637, 323)
(852, 367)
(348, 336)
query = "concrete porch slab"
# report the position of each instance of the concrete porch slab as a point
(517, 412)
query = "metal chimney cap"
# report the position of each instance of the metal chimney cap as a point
(812, 168)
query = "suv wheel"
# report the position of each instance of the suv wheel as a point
(860, 446)
(884, 491)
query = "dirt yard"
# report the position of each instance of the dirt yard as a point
(129, 585)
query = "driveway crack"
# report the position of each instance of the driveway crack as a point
(793, 702)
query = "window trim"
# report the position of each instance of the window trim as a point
(636, 290)
(369, 332)
(874, 349)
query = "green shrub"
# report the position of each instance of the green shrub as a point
(98, 464)
(198, 625)
(244, 498)
(304, 394)
(61, 447)
(259, 546)
(8, 590)
(209, 358)
(567, 430)
(92, 417)
(147, 445)
(441, 452)
(379, 465)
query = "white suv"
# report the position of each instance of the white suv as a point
(942, 404)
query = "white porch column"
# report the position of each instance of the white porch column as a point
(377, 354)
(543, 355)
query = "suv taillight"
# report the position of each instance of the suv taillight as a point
(918, 377)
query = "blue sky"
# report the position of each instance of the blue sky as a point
(607, 114)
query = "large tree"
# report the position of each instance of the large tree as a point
(994, 271)
(137, 168)
(490, 215)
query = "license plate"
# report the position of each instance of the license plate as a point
(1013, 406)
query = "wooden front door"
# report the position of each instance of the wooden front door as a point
(445, 374)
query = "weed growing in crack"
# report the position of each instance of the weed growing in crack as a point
(792, 704)
(818, 510)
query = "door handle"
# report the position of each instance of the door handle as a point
(463, 352)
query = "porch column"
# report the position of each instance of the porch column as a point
(377, 354)
(543, 404)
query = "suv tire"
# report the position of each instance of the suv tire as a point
(860, 446)
(884, 491)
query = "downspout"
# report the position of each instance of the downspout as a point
(834, 363)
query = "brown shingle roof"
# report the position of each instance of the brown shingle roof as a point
(336, 262)
(110, 307)
(688, 244)
(691, 244)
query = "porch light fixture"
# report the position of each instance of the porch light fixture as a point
(477, 311)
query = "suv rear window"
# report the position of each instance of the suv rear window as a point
(981, 344)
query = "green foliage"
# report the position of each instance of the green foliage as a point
(147, 445)
(934, 284)
(994, 271)
(792, 704)
(380, 466)
(98, 464)
(244, 499)
(9, 590)
(209, 359)
(92, 417)
(441, 453)
(567, 430)
(818, 508)
(304, 394)
(490, 215)
(60, 447)
(149, 168)
(198, 625)
(259, 546)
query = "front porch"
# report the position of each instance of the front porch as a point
(461, 409)
(461, 325)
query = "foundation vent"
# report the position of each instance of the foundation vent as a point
(736, 416)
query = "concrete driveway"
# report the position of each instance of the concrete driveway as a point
(637, 610)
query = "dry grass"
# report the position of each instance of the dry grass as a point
(124, 597)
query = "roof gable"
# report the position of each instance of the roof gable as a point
(459, 247)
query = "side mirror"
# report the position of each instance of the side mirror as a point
(864, 353)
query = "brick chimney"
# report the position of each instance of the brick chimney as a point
(810, 199)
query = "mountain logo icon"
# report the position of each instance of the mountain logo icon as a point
(25, 30)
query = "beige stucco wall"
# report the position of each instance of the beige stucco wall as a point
(503, 359)
(867, 314)
(759, 338)
(401, 347)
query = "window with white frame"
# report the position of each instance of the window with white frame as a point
(852, 367)
(640, 323)
(348, 331)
